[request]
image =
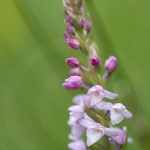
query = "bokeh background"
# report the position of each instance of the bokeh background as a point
(33, 105)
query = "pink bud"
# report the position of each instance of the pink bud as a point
(66, 35)
(86, 25)
(75, 72)
(73, 62)
(95, 61)
(70, 29)
(73, 43)
(73, 83)
(111, 64)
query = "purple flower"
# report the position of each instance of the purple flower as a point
(98, 93)
(68, 18)
(70, 29)
(66, 35)
(73, 43)
(75, 72)
(120, 139)
(95, 131)
(72, 62)
(111, 64)
(77, 145)
(73, 83)
(76, 111)
(82, 99)
(118, 112)
(86, 25)
(76, 131)
(94, 61)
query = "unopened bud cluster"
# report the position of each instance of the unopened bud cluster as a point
(91, 114)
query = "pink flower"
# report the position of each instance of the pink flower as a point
(120, 139)
(72, 62)
(94, 61)
(73, 43)
(77, 145)
(73, 83)
(75, 72)
(117, 111)
(95, 131)
(86, 25)
(76, 111)
(111, 64)
(98, 93)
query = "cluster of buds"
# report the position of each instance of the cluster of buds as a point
(91, 115)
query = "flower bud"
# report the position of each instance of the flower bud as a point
(75, 72)
(94, 61)
(72, 62)
(86, 24)
(81, 9)
(73, 43)
(68, 18)
(70, 29)
(73, 83)
(66, 35)
(111, 64)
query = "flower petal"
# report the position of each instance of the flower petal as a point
(77, 145)
(95, 99)
(110, 95)
(93, 136)
(104, 105)
(126, 114)
(111, 132)
(115, 117)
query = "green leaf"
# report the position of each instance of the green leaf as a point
(101, 81)
(103, 121)
(92, 114)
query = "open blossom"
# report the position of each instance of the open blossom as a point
(117, 111)
(77, 145)
(77, 111)
(98, 93)
(120, 139)
(95, 131)
(73, 83)
(76, 131)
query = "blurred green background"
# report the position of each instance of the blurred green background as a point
(33, 105)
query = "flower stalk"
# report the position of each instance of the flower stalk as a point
(91, 115)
